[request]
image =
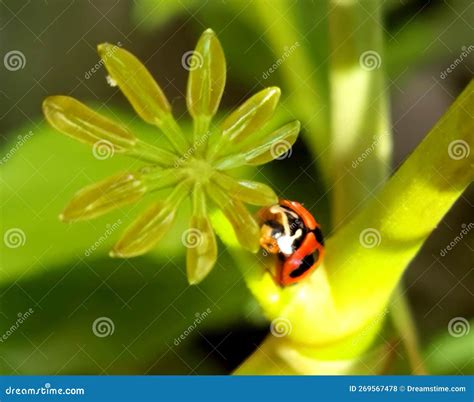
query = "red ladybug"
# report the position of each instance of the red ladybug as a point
(291, 232)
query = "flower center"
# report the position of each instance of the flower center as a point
(199, 170)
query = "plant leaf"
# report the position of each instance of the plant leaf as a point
(207, 79)
(38, 175)
(136, 82)
(250, 192)
(99, 198)
(245, 227)
(76, 120)
(272, 146)
(201, 255)
(142, 91)
(148, 229)
(251, 115)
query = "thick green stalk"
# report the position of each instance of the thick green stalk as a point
(304, 80)
(360, 133)
(337, 312)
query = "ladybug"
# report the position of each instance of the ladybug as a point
(289, 231)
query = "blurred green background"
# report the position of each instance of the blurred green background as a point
(147, 299)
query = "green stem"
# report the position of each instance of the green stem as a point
(403, 321)
(149, 153)
(360, 132)
(304, 79)
(365, 259)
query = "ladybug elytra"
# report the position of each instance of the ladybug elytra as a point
(289, 231)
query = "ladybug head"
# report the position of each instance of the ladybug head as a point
(281, 230)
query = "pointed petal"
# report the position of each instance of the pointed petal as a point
(76, 120)
(142, 91)
(251, 115)
(202, 248)
(245, 227)
(148, 229)
(250, 192)
(102, 197)
(273, 146)
(199, 240)
(135, 82)
(207, 78)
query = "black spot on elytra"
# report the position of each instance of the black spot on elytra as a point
(306, 264)
(319, 236)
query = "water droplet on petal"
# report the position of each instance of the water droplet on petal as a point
(111, 81)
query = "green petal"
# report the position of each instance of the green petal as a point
(248, 191)
(135, 82)
(274, 145)
(104, 196)
(251, 115)
(76, 120)
(200, 241)
(148, 229)
(200, 258)
(245, 227)
(142, 91)
(207, 78)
